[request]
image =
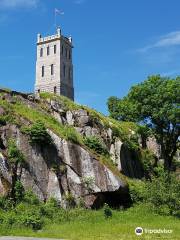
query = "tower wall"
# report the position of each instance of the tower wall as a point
(54, 68)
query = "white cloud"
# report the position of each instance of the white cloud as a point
(170, 39)
(18, 3)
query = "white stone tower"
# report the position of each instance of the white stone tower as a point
(54, 68)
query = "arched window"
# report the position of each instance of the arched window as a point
(62, 50)
(39, 91)
(69, 54)
(55, 90)
(42, 71)
(52, 69)
(41, 52)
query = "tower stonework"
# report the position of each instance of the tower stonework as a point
(54, 68)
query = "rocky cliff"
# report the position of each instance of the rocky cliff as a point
(87, 159)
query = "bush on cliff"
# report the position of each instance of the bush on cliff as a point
(95, 144)
(38, 133)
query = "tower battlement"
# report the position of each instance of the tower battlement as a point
(54, 68)
(57, 36)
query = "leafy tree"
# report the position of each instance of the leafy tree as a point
(155, 103)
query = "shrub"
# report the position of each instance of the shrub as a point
(49, 208)
(31, 198)
(38, 133)
(10, 218)
(69, 200)
(19, 191)
(107, 211)
(164, 194)
(33, 221)
(95, 144)
(71, 134)
(6, 203)
(148, 161)
(88, 182)
(15, 156)
(137, 190)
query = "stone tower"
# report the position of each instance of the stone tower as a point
(54, 68)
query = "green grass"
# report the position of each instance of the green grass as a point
(91, 225)
(120, 129)
(63, 131)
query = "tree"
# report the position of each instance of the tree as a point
(155, 103)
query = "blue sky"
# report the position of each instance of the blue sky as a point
(118, 43)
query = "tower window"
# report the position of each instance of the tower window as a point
(55, 48)
(48, 50)
(41, 52)
(52, 69)
(62, 50)
(42, 71)
(64, 70)
(66, 53)
(55, 90)
(69, 73)
(69, 54)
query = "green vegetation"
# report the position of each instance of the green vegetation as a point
(16, 160)
(162, 193)
(38, 133)
(156, 102)
(95, 144)
(36, 115)
(82, 224)
(107, 211)
(88, 182)
(121, 130)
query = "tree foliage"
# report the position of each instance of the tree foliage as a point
(155, 103)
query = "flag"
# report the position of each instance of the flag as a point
(57, 11)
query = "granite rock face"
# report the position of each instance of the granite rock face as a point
(65, 170)
(60, 169)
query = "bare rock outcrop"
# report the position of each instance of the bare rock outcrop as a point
(66, 170)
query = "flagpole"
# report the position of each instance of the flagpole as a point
(56, 12)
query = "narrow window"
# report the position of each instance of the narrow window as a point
(42, 73)
(69, 73)
(55, 48)
(66, 53)
(55, 90)
(41, 52)
(48, 51)
(64, 70)
(62, 50)
(38, 90)
(52, 69)
(69, 54)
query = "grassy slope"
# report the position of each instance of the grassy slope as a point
(91, 225)
(19, 109)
